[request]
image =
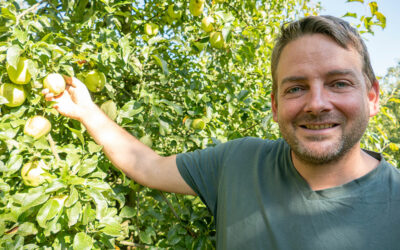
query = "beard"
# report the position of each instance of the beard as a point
(337, 149)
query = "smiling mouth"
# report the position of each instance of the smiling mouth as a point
(319, 126)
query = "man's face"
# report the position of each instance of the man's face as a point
(322, 103)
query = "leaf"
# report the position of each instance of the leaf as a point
(88, 166)
(349, 1)
(113, 228)
(127, 212)
(93, 147)
(47, 212)
(74, 214)
(72, 198)
(163, 64)
(27, 228)
(13, 164)
(350, 14)
(373, 7)
(82, 241)
(13, 55)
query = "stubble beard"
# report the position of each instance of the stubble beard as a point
(338, 149)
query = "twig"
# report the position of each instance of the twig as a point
(31, 9)
(132, 244)
(53, 147)
(193, 234)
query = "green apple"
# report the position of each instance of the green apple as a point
(198, 124)
(174, 15)
(217, 40)
(146, 140)
(95, 81)
(37, 126)
(151, 29)
(196, 7)
(207, 24)
(15, 94)
(34, 174)
(19, 75)
(55, 83)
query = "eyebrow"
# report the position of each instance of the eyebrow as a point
(338, 72)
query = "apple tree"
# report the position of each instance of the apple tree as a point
(180, 75)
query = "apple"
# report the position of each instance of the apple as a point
(55, 83)
(19, 75)
(217, 40)
(146, 140)
(151, 29)
(174, 15)
(110, 109)
(207, 24)
(196, 7)
(198, 124)
(95, 81)
(37, 126)
(33, 173)
(15, 94)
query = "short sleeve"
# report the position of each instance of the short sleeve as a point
(201, 170)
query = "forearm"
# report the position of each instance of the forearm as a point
(121, 148)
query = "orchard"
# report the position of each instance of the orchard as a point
(178, 75)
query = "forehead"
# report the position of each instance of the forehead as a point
(314, 55)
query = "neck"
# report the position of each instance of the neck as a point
(355, 164)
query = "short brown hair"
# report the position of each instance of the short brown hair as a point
(337, 29)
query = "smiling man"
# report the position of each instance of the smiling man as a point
(313, 189)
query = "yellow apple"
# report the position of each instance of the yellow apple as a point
(15, 94)
(55, 83)
(19, 75)
(33, 173)
(196, 7)
(207, 24)
(37, 126)
(217, 40)
(95, 81)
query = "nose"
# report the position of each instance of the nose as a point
(317, 100)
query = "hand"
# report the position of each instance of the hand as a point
(74, 102)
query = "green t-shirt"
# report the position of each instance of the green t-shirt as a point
(260, 201)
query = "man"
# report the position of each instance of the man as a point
(313, 189)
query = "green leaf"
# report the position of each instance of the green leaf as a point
(350, 14)
(128, 212)
(361, 1)
(82, 241)
(13, 55)
(74, 214)
(88, 166)
(27, 228)
(93, 147)
(72, 198)
(373, 7)
(113, 228)
(163, 64)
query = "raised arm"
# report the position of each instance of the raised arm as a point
(127, 153)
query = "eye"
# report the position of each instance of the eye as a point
(340, 84)
(293, 90)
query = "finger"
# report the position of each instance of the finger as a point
(68, 81)
(49, 97)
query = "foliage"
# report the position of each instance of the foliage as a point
(383, 133)
(159, 82)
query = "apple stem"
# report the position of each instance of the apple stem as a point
(53, 147)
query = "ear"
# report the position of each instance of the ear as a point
(373, 98)
(274, 107)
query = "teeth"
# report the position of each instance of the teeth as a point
(316, 127)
